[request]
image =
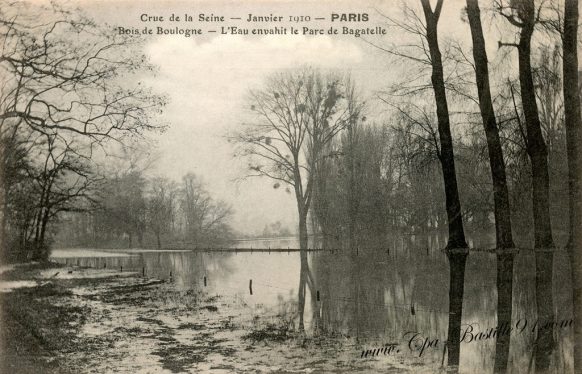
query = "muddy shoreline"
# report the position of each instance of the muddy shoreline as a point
(69, 319)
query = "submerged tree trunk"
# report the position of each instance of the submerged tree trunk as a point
(456, 246)
(573, 123)
(503, 234)
(538, 154)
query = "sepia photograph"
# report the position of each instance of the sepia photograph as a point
(278, 186)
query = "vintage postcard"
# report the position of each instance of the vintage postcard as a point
(279, 186)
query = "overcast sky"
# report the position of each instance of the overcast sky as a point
(207, 77)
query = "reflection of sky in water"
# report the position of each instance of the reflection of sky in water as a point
(376, 297)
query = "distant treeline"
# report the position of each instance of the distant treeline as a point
(136, 211)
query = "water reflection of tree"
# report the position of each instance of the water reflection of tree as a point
(306, 280)
(188, 269)
(373, 296)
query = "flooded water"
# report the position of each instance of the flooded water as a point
(377, 297)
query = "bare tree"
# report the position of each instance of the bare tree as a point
(500, 191)
(161, 208)
(427, 53)
(204, 217)
(57, 181)
(298, 113)
(63, 75)
(457, 258)
(125, 205)
(456, 232)
(524, 15)
(504, 237)
(65, 183)
(68, 80)
(351, 141)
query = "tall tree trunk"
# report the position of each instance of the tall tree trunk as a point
(456, 246)
(159, 241)
(41, 247)
(573, 122)
(456, 239)
(351, 188)
(538, 154)
(503, 234)
(4, 225)
(447, 158)
(500, 192)
(352, 243)
(303, 237)
(535, 145)
(38, 233)
(37, 221)
(43, 225)
(4, 195)
(140, 238)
